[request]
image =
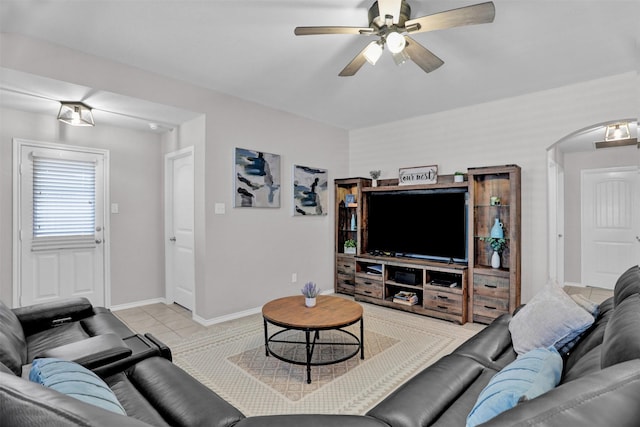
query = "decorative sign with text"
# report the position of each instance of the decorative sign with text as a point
(418, 175)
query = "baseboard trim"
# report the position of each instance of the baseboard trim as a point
(575, 284)
(237, 315)
(137, 304)
(232, 316)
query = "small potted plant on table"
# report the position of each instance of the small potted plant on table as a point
(310, 292)
(350, 246)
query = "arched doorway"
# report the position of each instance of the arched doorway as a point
(572, 161)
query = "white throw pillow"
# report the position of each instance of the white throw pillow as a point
(550, 317)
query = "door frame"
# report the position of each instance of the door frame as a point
(18, 144)
(168, 222)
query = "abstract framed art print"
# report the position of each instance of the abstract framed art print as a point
(310, 187)
(257, 179)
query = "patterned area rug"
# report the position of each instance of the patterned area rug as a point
(230, 359)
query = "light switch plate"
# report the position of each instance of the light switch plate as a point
(219, 209)
(115, 208)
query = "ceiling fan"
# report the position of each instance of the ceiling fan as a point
(390, 20)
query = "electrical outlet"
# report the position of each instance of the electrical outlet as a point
(294, 277)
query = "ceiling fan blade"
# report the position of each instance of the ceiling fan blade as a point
(422, 56)
(308, 31)
(355, 64)
(477, 14)
(390, 7)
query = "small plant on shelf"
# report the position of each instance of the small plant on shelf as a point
(350, 246)
(497, 244)
(458, 176)
(310, 290)
(374, 177)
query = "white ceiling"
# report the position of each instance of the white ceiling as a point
(248, 49)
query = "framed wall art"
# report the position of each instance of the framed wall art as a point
(310, 189)
(257, 179)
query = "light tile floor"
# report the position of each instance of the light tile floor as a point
(169, 323)
(172, 323)
(596, 295)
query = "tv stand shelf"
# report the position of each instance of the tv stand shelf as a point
(414, 275)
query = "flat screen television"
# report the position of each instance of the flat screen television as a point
(429, 224)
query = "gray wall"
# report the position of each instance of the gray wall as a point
(249, 253)
(136, 185)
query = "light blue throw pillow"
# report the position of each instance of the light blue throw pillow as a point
(75, 381)
(527, 377)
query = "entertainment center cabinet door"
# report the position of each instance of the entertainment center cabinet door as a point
(368, 286)
(346, 274)
(444, 302)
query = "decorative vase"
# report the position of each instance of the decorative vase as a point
(353, 222)
(310, 302)
(458, 178)
(374, 182)
(349, 250)
(497, 231)
(495, 260)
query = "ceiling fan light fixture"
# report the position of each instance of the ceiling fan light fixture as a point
(373, 52)
(617, 131)
(75, 114)
(400, 57)
(396, 42)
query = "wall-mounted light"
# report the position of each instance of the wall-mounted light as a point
(75, 114)
(617, 131)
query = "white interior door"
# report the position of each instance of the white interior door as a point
(179, 247)
(60, 223)
(610, 224)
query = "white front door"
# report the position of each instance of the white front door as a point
(610, 224)
(179, 246)
(60, 223)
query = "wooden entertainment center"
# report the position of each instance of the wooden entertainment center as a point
(459, 292)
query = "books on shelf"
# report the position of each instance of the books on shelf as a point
(350, 201)
(406, 298)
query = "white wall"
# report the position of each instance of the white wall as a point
(515, 130)
(245, 257)
(136, 177)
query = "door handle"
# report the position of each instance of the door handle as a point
(98, 241)
(172, 239)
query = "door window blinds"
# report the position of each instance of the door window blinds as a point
(64, 201)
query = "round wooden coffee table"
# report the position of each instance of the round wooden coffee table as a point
(330, 313)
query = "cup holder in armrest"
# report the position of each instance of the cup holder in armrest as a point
(142, 347)
(165, 351)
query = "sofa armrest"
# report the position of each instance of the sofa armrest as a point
(178, 397)
(39, 317)
(91, 352)
(606, 398)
